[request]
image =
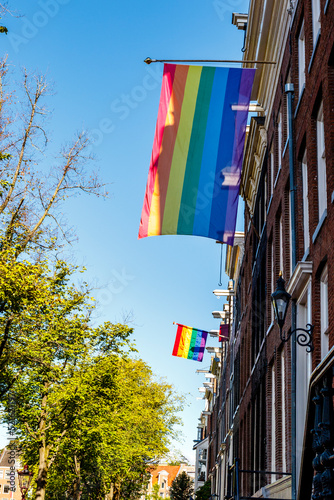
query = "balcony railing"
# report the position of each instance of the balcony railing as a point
(235, 490)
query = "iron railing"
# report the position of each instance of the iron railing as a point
(234, 490)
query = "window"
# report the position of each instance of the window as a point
(272, 268)
(163, 484)
(281, 239)
(1, 474)
(290, 235)
(283, 435)
(265, 196)
(272, 172)
(322, 187)
(301, 59)
(305, 204)
(279, 139)
(286, 114)
(273, 425)
(303, 368)
(315, 19)
(324, 312)
(6, 488)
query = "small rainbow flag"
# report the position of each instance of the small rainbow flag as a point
(194, 175)
(189, 343)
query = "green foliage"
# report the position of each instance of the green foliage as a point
(177, 458)
(88, 417)
(155, 492)
(182, 487)
(123, 421)
(204, 492)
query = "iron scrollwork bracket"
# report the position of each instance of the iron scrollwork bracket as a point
(304, 339)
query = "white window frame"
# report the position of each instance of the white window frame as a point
(273, 424)
(290, 238)
(315, 19)
(265, 197)
(324, 312)
(281, 239)
(280, 139)
(321, 161)
(306, 226)
(272, 172)
(303, 368)
(301, 58)
(283, 411)
(272, 268)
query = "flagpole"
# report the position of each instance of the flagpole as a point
(148, 60)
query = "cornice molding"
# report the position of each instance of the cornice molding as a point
(299, 278)
(255, 151)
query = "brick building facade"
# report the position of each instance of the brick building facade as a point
(288, 198)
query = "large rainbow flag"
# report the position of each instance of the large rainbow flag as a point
(194, 175)
(189, 343)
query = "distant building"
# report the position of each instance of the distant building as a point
(9, 465)
(164, 475)
(201, 449)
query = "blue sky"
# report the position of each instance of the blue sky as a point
(94, 55)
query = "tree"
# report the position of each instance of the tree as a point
(89, 418)
(176, 458)
(31, 227)
(3, 10)
(155, 493)
(47, 341)
(204, 492)
(182, 487)
(34, 178)
(124, 422)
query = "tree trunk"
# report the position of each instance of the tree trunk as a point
(110, 495)
(42, 473)
(117, 493)
(77, 482)
(43, 450)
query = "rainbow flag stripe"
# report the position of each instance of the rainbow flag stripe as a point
(194, 175)
(189, 343)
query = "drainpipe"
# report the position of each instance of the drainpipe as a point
(289, 90)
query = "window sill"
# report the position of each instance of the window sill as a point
(299, 100)
(314, 50)
(319, 226)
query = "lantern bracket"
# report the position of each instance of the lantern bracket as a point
(304, 339)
